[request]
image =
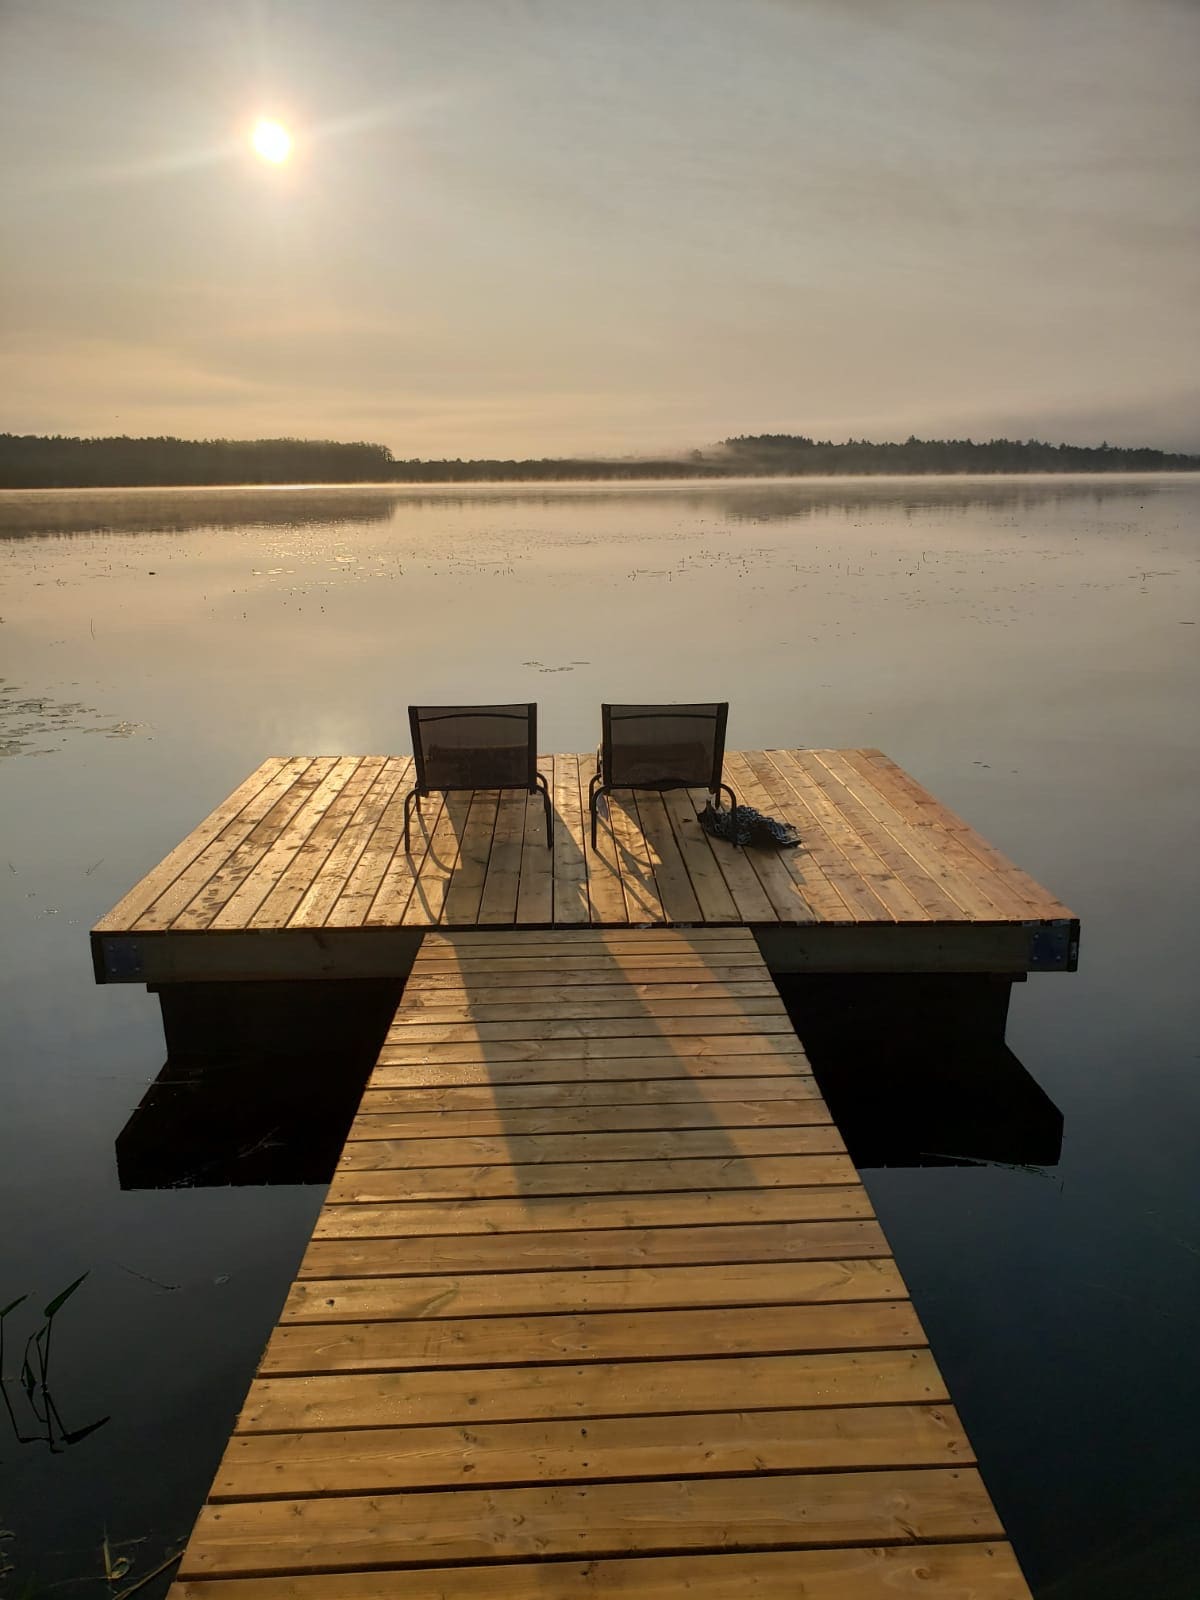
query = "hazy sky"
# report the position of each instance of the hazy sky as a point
(542, 226)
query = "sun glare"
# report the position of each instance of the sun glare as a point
(272, 141)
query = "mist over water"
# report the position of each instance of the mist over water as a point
(1026, 648)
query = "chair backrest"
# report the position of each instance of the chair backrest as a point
(474, 747)
(663, 747)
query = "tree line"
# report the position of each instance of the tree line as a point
(795, 454)
(33, 461)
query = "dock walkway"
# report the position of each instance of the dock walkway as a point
(597, 1306)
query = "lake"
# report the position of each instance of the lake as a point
(1027, 648)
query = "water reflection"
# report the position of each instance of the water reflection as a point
(50, 513)
(67, 512)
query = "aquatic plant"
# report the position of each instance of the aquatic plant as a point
(33, 1381)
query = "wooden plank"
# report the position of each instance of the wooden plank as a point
(567, 941)
(378, 1123)
(520, 974)
(789, 1087)
(926, 890)
(783, 881)
(1040, 901)
(559, 940)
(678, 1144)
(925, 820)
(751, 899)
(331, 878)
(424, 1218)
(379, 1460)
(570, 865)
(605, 963)
(239, 910)
(974, 1571)
(498, 903)
(605, 1177)
(694, 846)
(397, 882)
(606, 897)
(614, 1389)
(382, 866)
(628, 1008)
(546, 1033)
(156, 882)
(940, 856)
(535, 892)
(691, 1514)
(821, 849)
(671, 877)
(388, 1095)
(311, 1350)
(572, 1048)
(595, 1289)
(576, 1069)
(643, 902)
(186, 884)
(807, 864)
(204, 907)
(865, 860)
(565, 1251)
(464, 894)
(438, 864)
(297, 878)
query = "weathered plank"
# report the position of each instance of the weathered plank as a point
(594, 1248)
(379, 1460)
(313, 1349)
(375, 1122)
(594, 1289)
(976, 1571)
(425, 1218)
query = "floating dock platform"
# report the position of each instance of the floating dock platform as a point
(302, 873)
(597, 1304)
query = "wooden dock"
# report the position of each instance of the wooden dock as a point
(302, 873)
(597, 1305)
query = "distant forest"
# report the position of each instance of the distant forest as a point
(31, 461)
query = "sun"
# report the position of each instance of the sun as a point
(271, 141)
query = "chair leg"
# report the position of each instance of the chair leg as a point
(724, 788)
(408, 800)
(544, 789)
(593, 805)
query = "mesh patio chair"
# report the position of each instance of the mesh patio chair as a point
(475, 747)
(660, 747)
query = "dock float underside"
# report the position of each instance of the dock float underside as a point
(597, 1306)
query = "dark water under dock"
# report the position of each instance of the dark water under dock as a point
(1027, 649)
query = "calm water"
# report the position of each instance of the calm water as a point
(1027, 648)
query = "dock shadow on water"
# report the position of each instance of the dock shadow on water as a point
(260, 1085)
(916, 1072)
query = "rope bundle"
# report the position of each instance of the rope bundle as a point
(744, 825)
